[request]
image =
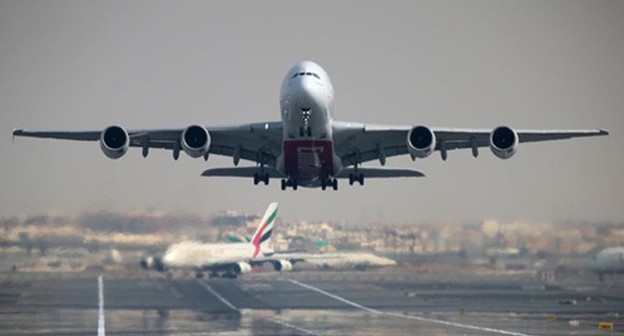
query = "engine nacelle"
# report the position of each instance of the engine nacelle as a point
(504, 142)
(114, 142)
(421, 141)
(242, 267)
(147, 263)
(195, 141)
(283, 265)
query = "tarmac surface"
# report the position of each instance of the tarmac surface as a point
(303, 303)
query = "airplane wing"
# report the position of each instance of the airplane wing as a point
(357, 143)
(257, 142)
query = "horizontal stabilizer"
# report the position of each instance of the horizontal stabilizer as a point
(380, 173)
(242, 172)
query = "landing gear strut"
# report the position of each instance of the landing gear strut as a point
(305, 130)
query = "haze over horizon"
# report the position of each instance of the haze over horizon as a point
(87, 65)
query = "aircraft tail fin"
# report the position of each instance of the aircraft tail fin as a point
(262, 236)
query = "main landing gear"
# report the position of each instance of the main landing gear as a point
(356, 177)
(290, 182)
(261, 177)
(329, 181)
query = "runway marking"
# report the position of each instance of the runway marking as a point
(410, 317)
(213, 292)
(234, 308)
(101, 330)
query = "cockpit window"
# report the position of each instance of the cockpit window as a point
(306, 74)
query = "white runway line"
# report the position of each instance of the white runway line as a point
(101, 330)
(221, 298)
(410, 317)
(231, 306)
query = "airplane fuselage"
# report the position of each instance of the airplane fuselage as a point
(194, 254)
(307, 102)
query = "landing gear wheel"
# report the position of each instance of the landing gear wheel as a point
(256, 179)
(284, 184)
(335, 184)
(265, 178)
(359, 178)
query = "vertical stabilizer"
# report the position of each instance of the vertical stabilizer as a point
(262, 236)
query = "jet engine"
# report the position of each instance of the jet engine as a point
(147, 263)
(283, 265)
(421, 142)
(195, 141)
(242, 267)
(114, 142)
(503, 142)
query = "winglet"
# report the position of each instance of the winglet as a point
(604, 132)
(16, 131)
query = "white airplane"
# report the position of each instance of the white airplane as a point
(607, 261)
(308, 147)
(226, 259)
(341, 260)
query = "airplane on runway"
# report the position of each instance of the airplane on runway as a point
(308, 148)
(607, 261)
(227, 260)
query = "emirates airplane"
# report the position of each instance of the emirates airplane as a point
(308, 148)
(226, 260)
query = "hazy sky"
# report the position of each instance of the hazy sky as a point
(84, 65)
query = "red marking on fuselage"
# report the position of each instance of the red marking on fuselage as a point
(308, 159)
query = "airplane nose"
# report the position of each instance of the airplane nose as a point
(310, 93)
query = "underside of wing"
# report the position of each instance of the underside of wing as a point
(63, 135)
(256, 142)
(357, 143)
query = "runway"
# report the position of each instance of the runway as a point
(302, 303)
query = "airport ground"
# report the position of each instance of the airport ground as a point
(381, 302)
